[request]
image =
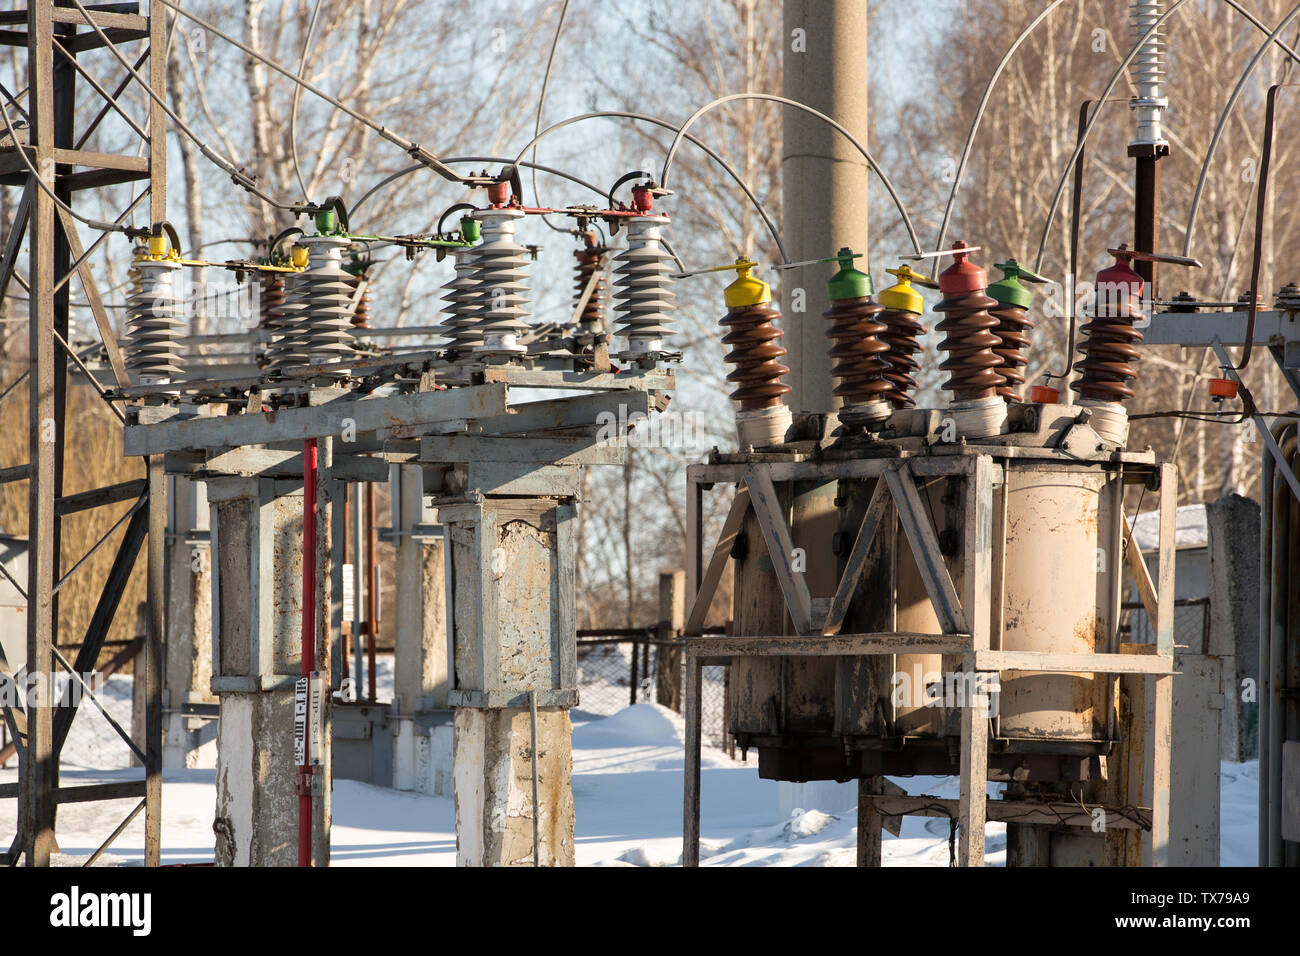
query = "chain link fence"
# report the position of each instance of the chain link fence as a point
(1191, 624)
(617, 670)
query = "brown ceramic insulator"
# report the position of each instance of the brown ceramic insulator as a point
(1109, 352)
(270, 300)
(1013, 330)
(591, 259)
(902, 329)
(755, 348)
(971, 363)
(361, 317)
(857, 355)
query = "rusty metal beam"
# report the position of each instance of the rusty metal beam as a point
(780, 547)
(880, 511)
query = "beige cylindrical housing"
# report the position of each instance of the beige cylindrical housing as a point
(1061, 583)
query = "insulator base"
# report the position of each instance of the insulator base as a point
(763, 427)
(1109, 420)
(979, 418)
(869, 415)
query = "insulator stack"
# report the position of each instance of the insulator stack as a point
(501, 293)
(592, 260)
(755, 348)
(361, 316)
(1013, 327)
(318, 306)
(755, 345)
(901, 317)
(969, 338)
(270, 300)
(1109, 348)
(643, 288)
(461, 296)
(1148, 72)
(154, 322)
(857, 357)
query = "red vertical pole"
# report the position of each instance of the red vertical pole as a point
(308, 635)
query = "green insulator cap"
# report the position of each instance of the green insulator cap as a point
(1009, 290)
(848, 283)
(471, 230)
(326, 222)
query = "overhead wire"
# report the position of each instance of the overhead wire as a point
(1092, 123)
(541, 101)
(1223, 120)
(297, 97)
(770, 97)
(693, 140)
(415, 150)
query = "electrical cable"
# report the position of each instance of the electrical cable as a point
(239, 176)
(541, 100)
(978, 117)
(871, 162)
(297, 97)
(1223, 121)
(642, 118)
(36, 177)
(415, 150)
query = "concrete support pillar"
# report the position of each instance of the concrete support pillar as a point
(672, 621)
(257, 607)
(512, 564)
(494, 788)
(188, 741)
(421, 718)
(823, 177)
(1234, 618)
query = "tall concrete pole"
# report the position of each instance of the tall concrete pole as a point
(823, 178)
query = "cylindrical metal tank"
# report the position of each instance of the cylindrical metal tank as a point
(1062, 585)
(1057, 583)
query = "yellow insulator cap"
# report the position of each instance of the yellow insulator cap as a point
(901, 297)
(158, 247)
(746, 290)
(301, 256)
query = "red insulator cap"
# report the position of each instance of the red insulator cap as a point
(962, 276)
(498, 193)
(1121, 273)
(1044, 395)
(642, 198)
(1223, 388)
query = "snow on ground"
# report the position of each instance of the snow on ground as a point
(627, 787)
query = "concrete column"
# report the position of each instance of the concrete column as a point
(512, 562)
(187, 667)
(823, 177)
(1234, 617)
(257, 607)
(421, 716)
(494, 789)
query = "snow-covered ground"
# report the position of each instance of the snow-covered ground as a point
(627, 783)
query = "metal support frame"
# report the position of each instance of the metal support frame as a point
(54, 149)
(968, 628)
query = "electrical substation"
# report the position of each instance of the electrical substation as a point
(947, 591)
